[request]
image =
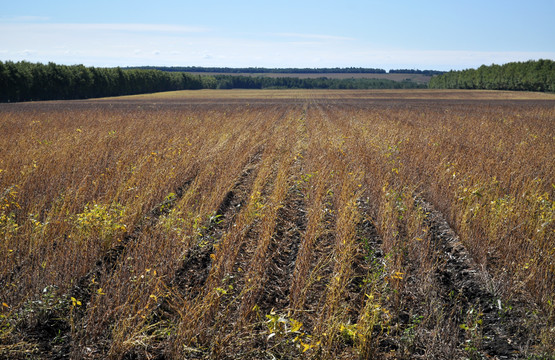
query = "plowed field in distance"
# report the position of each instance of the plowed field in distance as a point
(279, 224)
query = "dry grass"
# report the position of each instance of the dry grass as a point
(222, 96)
(299, 224)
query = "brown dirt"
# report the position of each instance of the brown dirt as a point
(476, 319)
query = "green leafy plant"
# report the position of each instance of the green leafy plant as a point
(101, 220)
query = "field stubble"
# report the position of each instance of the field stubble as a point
(270, 224)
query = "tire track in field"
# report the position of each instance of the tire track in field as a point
(287, 223)
(189, 282)
(191, 276)
(262, 253)
(197, 265)
(284, 248)
(212, 310)
(471, 313)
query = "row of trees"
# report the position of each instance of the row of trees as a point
(524, 76)
(261, 70)
(264, 82)
(25, 81)
(416, 71)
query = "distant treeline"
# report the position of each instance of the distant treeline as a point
(25, 81)
(261, 70)
(413, 71)
(525, 76)
(264, 82)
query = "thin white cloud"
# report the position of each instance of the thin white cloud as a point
(303, 43)
(26, 18)
(137, 28)
(312, 36)
(151, 28)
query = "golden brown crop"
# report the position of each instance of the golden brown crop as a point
(259, 224)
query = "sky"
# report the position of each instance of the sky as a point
(394, 34)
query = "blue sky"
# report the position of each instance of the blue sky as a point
(391, 34)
